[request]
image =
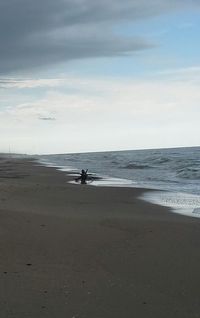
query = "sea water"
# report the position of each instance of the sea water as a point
(174, 172)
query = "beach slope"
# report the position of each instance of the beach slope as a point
(79, 251)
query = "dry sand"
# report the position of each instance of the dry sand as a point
(86, 252)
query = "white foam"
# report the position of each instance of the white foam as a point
(182, 203)
(108, 182)
(115, 182)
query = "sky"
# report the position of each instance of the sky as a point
(90, 75)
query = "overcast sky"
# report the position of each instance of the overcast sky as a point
(88, 75)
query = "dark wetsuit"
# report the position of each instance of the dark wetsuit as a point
(83, 176)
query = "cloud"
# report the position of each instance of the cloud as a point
(186, 74)
(41, 33)
(30, 83)
(47, 118)
(105, 114)
(101, 100)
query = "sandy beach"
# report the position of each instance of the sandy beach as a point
(79, 251)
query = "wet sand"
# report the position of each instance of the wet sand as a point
(79, 251)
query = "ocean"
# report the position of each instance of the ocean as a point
(174, 173)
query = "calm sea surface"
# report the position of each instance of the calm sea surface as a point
(175, 172)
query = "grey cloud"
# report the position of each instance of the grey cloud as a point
(6, 83)
(47, 118)
(10, 82)
(36, 33)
